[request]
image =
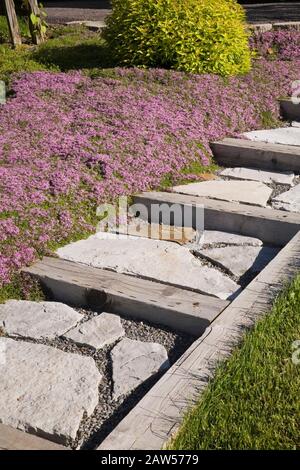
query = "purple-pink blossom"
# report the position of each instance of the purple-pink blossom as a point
(69, 142)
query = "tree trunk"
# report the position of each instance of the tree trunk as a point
(37, 36)
(13, 23)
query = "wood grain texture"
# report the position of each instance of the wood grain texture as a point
(269, 225)
(13, 24)
(265, 156)
(82, 285)
(13, 439)
(157, 416)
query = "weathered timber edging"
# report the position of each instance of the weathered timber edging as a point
(269, 225)
(155, 419)
(82, 285)
(13, 439)
(290, 110)
(262, 155)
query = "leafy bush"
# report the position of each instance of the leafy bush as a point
(199, 36)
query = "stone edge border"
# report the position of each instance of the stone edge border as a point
(155, 419)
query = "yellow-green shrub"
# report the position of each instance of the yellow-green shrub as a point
(192, 35)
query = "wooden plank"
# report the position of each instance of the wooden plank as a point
(290, 110)
(82, 285)
(265, 156)
(13, 24)
(156, 417)
(269, 225)
(13, 439)
(36, 34)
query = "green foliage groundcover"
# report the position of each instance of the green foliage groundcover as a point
(253, 402)
(199, 36)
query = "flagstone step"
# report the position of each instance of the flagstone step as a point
(44, 390)
(267, 177)
(157, 260)
(239, 260)
(289, 200)
(37, 320)
(133, 362)
(247, 192)
(98, 332)
(283, 136)
(261, 155)
(290, 109)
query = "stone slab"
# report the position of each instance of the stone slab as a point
(162, 261)
(213, 238)
(46, 391)
(249, 192)
(283, 136)
(254, 174)
(98, 332)
(289, 200)
(37, 320)
(134, 362)
(240, 259)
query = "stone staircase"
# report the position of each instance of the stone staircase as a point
(178, 283)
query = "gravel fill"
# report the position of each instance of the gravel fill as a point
(110, 412)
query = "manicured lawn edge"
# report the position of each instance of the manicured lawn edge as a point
(253, 400)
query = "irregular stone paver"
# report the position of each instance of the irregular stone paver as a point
(45, 390)
(140, 228)
(98, 332)
(214, 237)
(239, 259)
(158, 260)
(259, 175)
(134, 362)
(289, 201)
(284, 135)
(37, 320)
(249, 192)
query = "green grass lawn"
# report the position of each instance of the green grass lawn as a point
(253, 401)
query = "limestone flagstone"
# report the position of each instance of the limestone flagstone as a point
(240, 259)
(134, 362)
(215, 238)
(45, 390)
(249, 192)
(259, 175)
(98, 332)
(283, 135)
(152, 259)
(37, 320)
(289, 200)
